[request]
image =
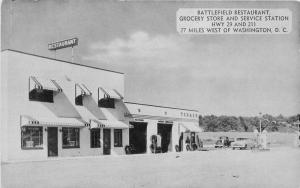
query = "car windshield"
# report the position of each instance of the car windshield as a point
(238, 139)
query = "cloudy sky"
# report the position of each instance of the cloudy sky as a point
(215, 74)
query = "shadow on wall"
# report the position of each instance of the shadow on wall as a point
(118, 111)
(62, 107)
(92, 106)
(124, 111)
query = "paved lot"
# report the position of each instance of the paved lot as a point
(279, 167)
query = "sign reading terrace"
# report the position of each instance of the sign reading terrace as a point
(233, 21)
(63, 44)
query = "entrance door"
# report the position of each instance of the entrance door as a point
(165, 131)
(52, 142)
(138, 137)
(106, 141)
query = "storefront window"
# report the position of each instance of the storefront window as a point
(95, 138)
(70, 137)
(118, 138)
(32, 137)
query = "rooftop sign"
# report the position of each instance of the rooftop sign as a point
(63, 44)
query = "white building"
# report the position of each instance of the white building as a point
(55, 108)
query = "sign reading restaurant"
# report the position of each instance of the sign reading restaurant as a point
(63, 44)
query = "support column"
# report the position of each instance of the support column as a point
(151, 130)
(112, 141)
(175, 136)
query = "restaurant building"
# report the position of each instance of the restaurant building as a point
(55, 108)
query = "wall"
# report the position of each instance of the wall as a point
(165, 112)
(3, 107)
(16, 69)
(125, 141)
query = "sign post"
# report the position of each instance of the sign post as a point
(64, 44)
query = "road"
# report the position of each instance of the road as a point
(279, 167)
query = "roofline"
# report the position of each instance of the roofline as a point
(61, 60)
(161, 106)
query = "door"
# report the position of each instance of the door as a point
(106, 141)
(52, 142)
(138, 137)
(165, 131)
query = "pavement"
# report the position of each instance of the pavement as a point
(279, 167)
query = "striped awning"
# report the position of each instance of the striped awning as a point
(111, 93)
(96, 123)
(26, 120)
(190, 127)
(45, 84)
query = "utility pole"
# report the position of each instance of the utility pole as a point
(260, 116)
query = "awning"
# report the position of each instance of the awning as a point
(111, 93)
(81, 88)
(46, 84)
(28, 120)
(108, 124)
(191, 127)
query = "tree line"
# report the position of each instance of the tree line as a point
(212, 123)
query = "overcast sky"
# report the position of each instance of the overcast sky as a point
(215, 74)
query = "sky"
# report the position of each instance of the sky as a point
(238, 75)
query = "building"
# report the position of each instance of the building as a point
(55, 108)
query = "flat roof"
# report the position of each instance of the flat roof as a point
(161, 106)
(61, 60)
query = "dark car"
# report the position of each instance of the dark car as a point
(222, 142)
(219, 144)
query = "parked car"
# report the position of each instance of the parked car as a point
(219, 144)
(222, 142)
(243, 143)
(230, 141)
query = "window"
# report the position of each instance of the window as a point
(106, 103)
(41, 95)
(95, 138)
(139, 110)
(165, 113)
(79, 100)
(81, 90)
(70, 137)
(42, 90)
(32, 137)
(118, 137)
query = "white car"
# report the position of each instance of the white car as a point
(243, 143)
